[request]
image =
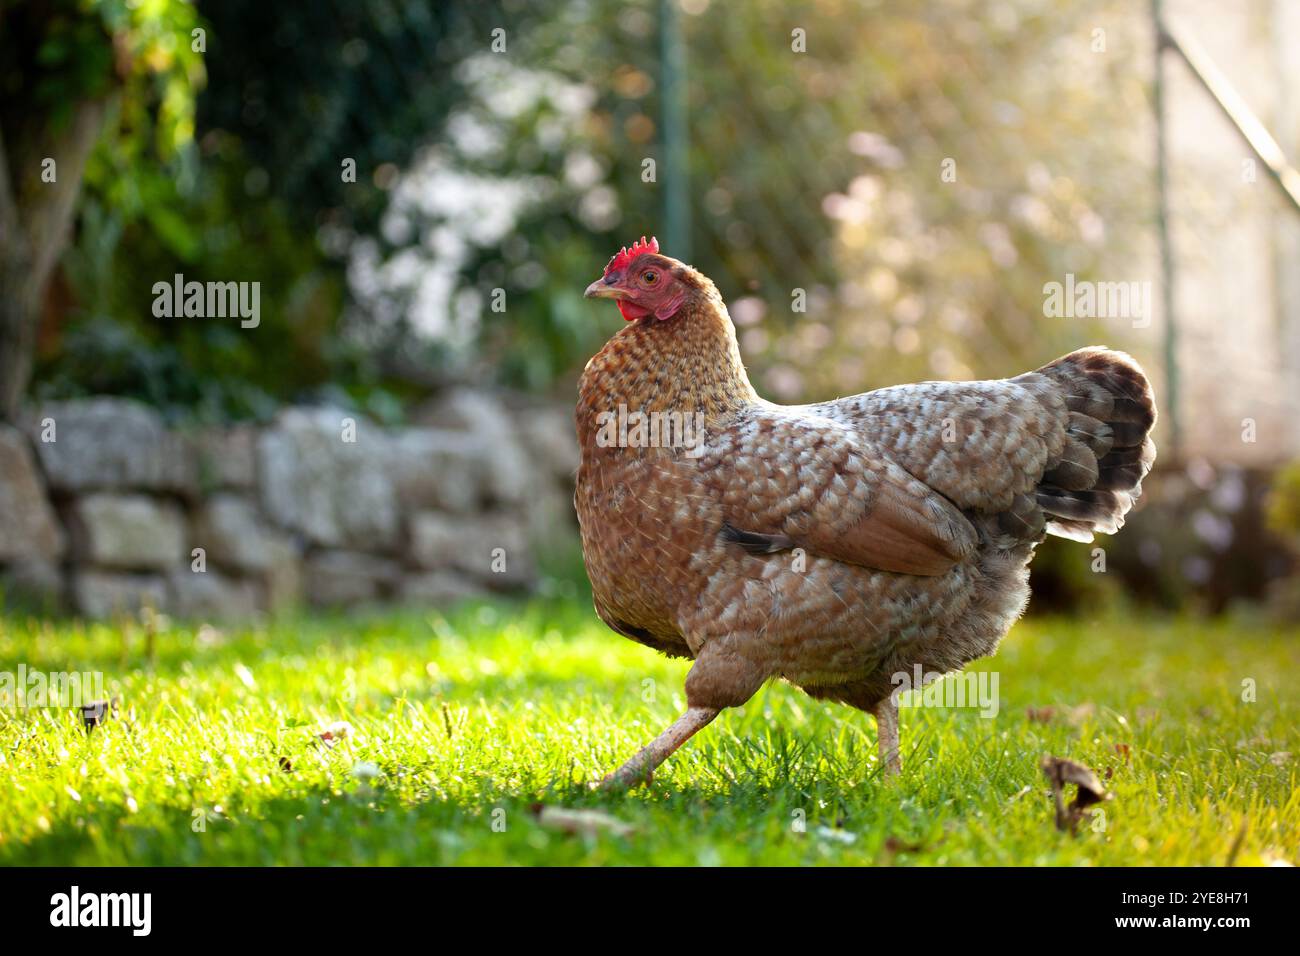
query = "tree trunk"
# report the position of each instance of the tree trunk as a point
(19, 314)
(35, 217)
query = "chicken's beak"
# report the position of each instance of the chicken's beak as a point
(600, 289)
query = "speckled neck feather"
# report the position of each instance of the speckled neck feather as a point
(686, 364)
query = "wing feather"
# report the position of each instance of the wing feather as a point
(788, 480)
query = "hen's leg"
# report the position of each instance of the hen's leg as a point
(723, 675)
(639, 769)
(887, 736)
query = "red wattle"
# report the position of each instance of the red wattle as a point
(631, 311)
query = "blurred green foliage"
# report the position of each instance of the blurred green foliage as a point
(290, 94)
(56, 52)
(137, 228)
(1282, 512)
(501, 151)
(1284, 503)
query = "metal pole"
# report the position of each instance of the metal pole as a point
(1239, 114)
(1168, 276)
(676, 183)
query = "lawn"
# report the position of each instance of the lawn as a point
(448, 731)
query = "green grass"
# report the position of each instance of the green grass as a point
(463, 722)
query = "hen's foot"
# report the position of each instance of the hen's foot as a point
(640, 769)
(887, 737)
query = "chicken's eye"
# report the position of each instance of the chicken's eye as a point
(649, 277)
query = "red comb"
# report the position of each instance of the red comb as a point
(626, 255)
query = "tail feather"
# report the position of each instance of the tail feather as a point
(1108, 448)
(1098, 436)
(1100, 511)
(1077, 468)
(1126, 435)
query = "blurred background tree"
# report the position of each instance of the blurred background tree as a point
(253, 195)
(74, 74)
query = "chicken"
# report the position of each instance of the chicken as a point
(835, 545)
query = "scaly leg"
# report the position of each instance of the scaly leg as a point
(640, 768)
(887, 736)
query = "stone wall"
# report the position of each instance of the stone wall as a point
(104, 509)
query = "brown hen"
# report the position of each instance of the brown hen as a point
(834, 545)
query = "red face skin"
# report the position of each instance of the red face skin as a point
(642, 283)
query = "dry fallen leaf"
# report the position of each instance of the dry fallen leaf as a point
(580, 822)
(1040, 715)
(1060, 772)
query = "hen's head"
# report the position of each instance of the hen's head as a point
(643, 282)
